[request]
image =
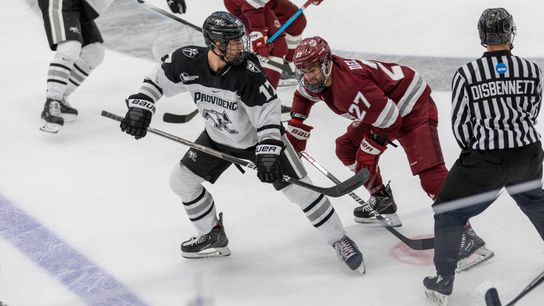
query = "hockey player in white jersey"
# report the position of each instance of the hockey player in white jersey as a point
(242, 118)
(73, 34)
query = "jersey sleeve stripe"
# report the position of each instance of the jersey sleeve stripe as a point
(257, 3)
(269, 126)
(407, 102)
(151, 89)
(388, 116)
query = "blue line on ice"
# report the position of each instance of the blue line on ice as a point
(65, 264)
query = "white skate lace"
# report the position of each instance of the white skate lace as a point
(196, 240)
(344, 248)
(54, 108)
(463, 241)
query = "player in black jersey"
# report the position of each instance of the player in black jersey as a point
(73, 34)
(242, 118)
(495, 100)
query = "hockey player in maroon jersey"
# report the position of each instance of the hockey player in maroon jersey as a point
(262, 19)
(386, 102)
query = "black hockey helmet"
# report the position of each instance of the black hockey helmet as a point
(496, 26)
(223, 27)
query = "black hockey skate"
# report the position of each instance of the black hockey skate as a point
(67, 111)
(51, 116)
(383, 203)
(347, 252)
(438, 288)
(212, 244)
(472, 251)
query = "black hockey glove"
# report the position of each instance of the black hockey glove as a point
(177, 6)
(267, 155)
(140, 110)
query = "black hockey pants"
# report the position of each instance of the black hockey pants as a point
(474, 183)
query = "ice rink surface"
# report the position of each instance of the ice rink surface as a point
(87, 216)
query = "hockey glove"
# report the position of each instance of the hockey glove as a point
(177, 6)
(298, 134)
(317, 2)
(368, 155)
(258, 42)
(140, 110)
(267, 156)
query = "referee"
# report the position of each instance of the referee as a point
(495, 102)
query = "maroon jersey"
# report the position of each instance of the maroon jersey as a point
(256, 15)
(392, 98)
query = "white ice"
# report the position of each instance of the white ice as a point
(107, 195)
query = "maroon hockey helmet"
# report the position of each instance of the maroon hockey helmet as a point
(312, 52)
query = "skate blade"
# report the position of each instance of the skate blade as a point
(362, 268)
(392, 219)
(208, 253)
(69, 117)
(50, 127)
(438, 298)
(479, 256)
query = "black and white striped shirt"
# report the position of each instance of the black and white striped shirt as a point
(495, 102)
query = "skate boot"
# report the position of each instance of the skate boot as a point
(472, 251)
(68, 113)
(51, 116)
(212, 244)
(438, 288)
(348, 253)
(382, 203)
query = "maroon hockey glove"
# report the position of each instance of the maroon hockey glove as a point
(368, 155)
(298, 134)
(317, 2)
(258, 42)
(267, 159)
(140, 110)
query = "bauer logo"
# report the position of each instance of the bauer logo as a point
(501, 68)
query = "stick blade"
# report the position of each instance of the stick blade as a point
(492, 297)
(174, 118)
(338, 190)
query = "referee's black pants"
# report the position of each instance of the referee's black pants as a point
(474, 183)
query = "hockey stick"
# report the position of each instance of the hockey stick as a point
(289, 21)
(415, 244)
(169, 117)
(184, 118)
(338, 190)
(175, 118)
(492, 297)
(170, 15)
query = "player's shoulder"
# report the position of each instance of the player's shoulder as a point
(186, 54)
(250, 70)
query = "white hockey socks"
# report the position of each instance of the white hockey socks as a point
(197, 201)
(319, 211)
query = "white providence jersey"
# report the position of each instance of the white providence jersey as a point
(240, 106)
